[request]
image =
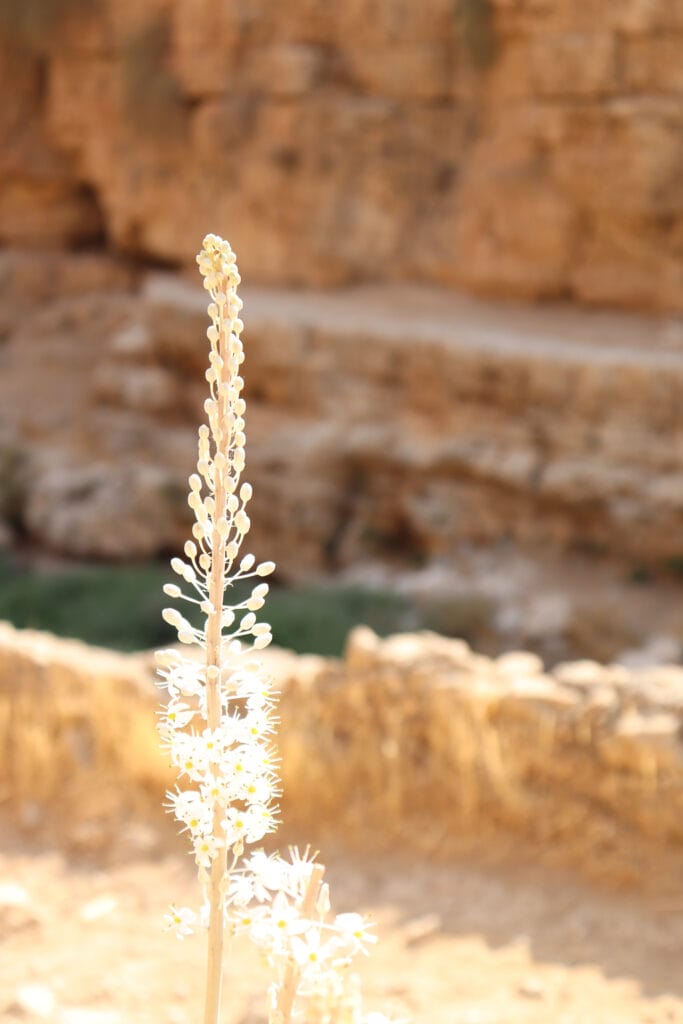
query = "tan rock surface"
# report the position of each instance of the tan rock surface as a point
(384, 423)
(527, 149)
(414, 740)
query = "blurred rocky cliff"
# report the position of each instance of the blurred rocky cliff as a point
(383, 423)
(514, 147)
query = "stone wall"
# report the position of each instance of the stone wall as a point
(514, 147)
(414, 740)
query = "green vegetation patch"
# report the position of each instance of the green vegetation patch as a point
(120, 607)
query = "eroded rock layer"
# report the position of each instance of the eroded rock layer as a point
(516, 147)
(383, 423)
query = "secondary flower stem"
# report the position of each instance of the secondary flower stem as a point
(285, 1003)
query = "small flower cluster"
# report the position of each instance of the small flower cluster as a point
(229, 770)
(284, 908)
(219, 720)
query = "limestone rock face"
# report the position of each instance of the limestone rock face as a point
(526, 149)
(414, 739)
(383, 424)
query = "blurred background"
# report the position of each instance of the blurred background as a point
(460, 228)
(459, 225)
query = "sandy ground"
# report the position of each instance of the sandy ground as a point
(464, 943)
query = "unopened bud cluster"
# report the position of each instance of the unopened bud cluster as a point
(219, 720)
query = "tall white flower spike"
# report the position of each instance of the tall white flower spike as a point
(219, 720)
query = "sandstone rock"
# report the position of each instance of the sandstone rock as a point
(659, 650)
(432, 745)
(176, 321)
(17, 911)
(97, 908)
(132, 343)
(30, 279)
(532, 988)
(574, 65)
(384, 425)
(639, 16)
(407, 72)
(652, 62)
(43, 201)
(361, 647)
(34, 1002)
(142, 389)
(285, 71)
(503, 256)
(51, 691)
(416, 143)
(519, 663)
(88, 1015)
(91, 510)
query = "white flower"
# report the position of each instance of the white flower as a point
(269, 874)
(310, 953)
(205, 849)
(178, 714)
(180, 920)
(285, 917)
(195, 812)
(353, 929)
(240, 890)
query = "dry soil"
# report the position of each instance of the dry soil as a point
(462, 943)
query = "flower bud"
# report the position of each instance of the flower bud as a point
(172, 616)
(242, 521)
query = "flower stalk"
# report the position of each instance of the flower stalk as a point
(220, 716)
